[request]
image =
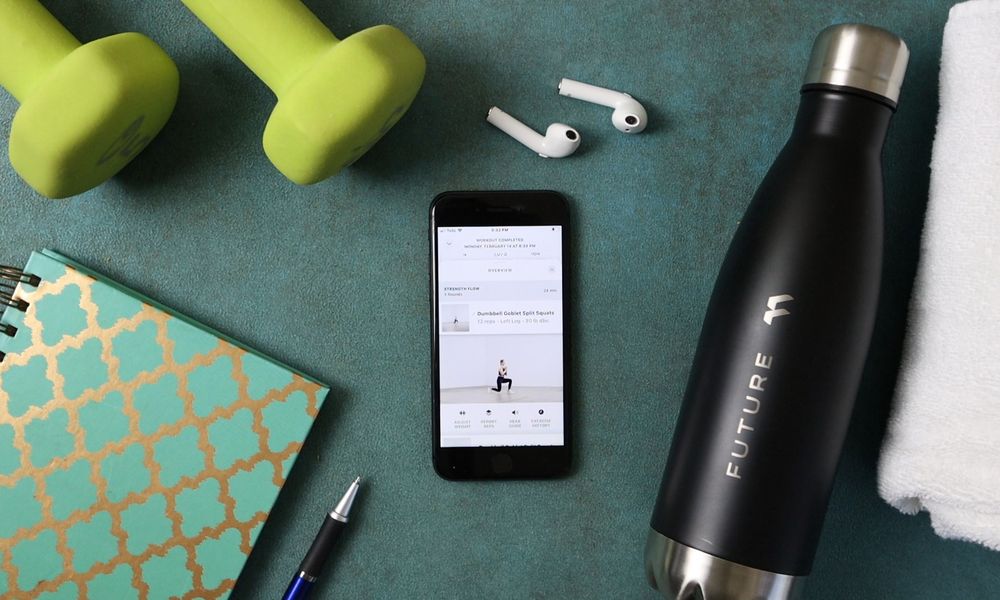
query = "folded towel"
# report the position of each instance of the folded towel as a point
(942, 449)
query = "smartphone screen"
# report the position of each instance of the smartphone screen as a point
(501, 347)
(500, 364)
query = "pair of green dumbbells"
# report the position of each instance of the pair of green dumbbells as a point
(87, 110)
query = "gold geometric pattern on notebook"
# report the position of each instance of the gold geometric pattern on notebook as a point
(245, 412)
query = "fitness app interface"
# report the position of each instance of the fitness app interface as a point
(500, 331)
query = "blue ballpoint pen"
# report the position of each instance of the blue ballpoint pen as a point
(312, 564)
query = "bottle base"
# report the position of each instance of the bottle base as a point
(681, 572)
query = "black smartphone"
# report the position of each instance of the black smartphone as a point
(499, 294)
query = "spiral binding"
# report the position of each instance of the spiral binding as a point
(9, 278)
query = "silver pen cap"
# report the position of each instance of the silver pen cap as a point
(859, 56)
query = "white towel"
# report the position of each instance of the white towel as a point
(942, 449)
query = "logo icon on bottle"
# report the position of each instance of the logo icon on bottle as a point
(772, 304)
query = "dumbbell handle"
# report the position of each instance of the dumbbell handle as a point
(277, 39)
(32, 41)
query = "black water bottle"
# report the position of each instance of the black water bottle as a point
(783, 343)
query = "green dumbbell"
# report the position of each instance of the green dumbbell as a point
(335, 98)
(85, 110)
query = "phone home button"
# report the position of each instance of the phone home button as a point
(502, 464)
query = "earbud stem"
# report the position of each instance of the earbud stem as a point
(32, 41)
(589, 93)
(276, 39)
(515, 129)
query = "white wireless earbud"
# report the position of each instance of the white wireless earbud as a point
(559, 140)
(629, 115)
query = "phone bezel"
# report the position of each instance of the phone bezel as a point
(500, 208)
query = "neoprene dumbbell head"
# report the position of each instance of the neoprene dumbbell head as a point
(335, 98)
(85, 111)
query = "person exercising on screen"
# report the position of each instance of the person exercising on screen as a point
(502, 377)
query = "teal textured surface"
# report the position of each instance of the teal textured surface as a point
(332, 278)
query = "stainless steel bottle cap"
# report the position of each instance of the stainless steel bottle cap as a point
(859, 56)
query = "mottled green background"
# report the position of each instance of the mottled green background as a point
(333, 278)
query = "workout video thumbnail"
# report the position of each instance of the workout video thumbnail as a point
(454, 318)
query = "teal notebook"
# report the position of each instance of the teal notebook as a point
(140, 452)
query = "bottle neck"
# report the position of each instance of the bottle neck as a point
(841, 116)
